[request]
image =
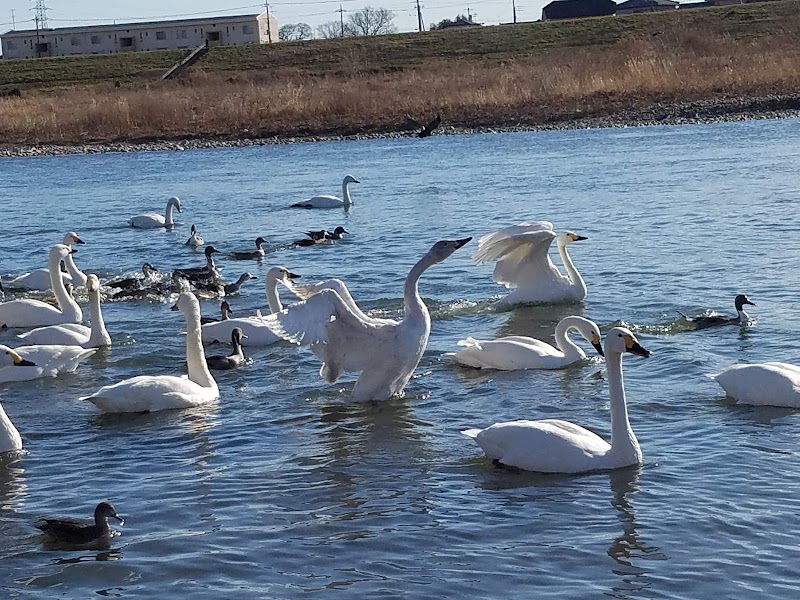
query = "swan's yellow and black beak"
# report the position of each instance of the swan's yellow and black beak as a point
(597, 345)
(291, 275)
(77, 240)
(19, 361)
(633, 346)
(577, 238)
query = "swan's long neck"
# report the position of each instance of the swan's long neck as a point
(195, 359)
(574, 277)
(348, 201)
(78, 276)
(273, 298)
(413, 305)
(10, 439)
(168, 215)
(623, 440)
(66, 303)
(99, 335)
(570, 349)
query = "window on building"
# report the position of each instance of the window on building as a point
(247, 29)
(11, 45)
(161, 35)
(182, 34)
(95, 39)
(75, 41)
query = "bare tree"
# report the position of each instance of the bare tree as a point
(295, 31)
(370, 21)
(331, 29)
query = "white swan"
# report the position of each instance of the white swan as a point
(305, 291)
(10, 439)
(35, 313)
(150, 393)
(762, 384)
(555, 446)
(154, 221)
(385, 354)
(39, 279)
(520, 352)
(255, 330)
(331, 201)
(74, 334)
(33, 362)
(195, 240)
(523, 263)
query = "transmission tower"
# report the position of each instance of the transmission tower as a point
(41, 14)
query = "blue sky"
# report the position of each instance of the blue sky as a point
(64, 13)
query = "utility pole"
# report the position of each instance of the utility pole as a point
(13, 21)
(419, 17)
(269, 25)
(41, 13)
(341, 18)
(469, 16)
(514, 9)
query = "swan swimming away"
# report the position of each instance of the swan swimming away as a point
(256, 331)
(153, 220)
(78, 533)
(519, 352)
(384, 354)
(33, 362)
(75, 334)
(233, 360)
(35, 313)
(331, 201)
(741, 318)
(39, 279)
(555, 446)
(195, 239)
(150, 393)
(762, 384)
(523, 263)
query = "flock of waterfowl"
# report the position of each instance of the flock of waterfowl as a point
(383, 352)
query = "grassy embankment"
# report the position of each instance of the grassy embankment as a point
(526, 74)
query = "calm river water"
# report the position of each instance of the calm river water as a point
(286, 489)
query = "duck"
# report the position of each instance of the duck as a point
(74, 334)
(151, 393)
(256, 331)
(209, 271)
(10, 439)
(235, 359)
(322, 234)
(155, 221)
(250, 254)
(149, 274)
(27, 312)
(523, 263)
(741, 318)
(195, 239)
(513, 353)
(39, 280)
(156, 290)
(331, 201)
(306, 242)
(49, 360)
(555, 446)
(73, 532)
(384, 355)
(762, 384)
(213, 289)
(225, 311)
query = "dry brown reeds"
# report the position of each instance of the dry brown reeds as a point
(636, 72)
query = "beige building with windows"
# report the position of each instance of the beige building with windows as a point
(132, 37)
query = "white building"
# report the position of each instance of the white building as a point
(129, 37)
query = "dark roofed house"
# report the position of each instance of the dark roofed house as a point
(574, 9)
(640, 6)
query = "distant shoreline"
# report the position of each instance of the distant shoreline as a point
(690, 113)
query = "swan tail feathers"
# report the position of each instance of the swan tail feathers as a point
(471, 433)
(470, 342)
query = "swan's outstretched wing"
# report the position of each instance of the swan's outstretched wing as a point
(520, 252)
(305, 291)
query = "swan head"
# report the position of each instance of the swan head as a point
(187, 303)
(591, 333)
(444, 248)
(10, 358)
(176, 202)
(105, 511)
(72, 238)
(60, 252)
(280, 274)
(741, 300)
(568, 237)
(92, 283)
(620, 340)
(349, 179)
(149, 269)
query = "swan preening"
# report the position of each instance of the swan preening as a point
(195, 239)
(762, 384)
(555, 446)
(40, 278)
(73, 532)
(706, 321)
(385, 354)
(35, 313)
(256, 331)
(153, 220)
(73, 333)
(150, 393)
(520, 352)
(25, 363)
(331, 201)
(523, 263)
